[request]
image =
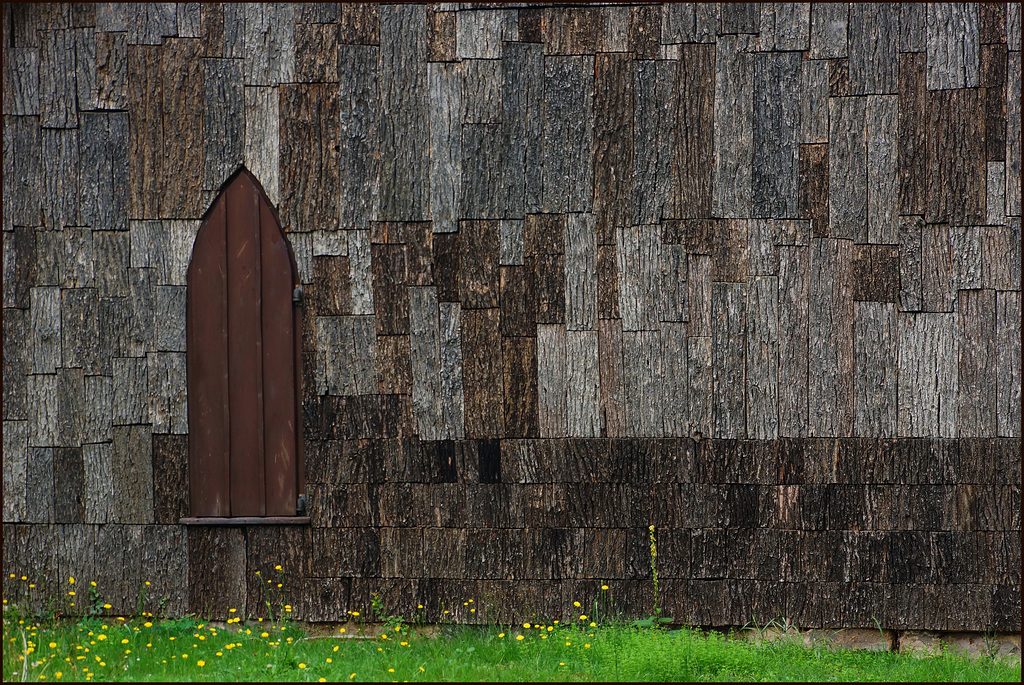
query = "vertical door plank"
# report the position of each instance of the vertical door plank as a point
(279, 415)
(245, 359)
(207, 358)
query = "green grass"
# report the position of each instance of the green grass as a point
(101, 649)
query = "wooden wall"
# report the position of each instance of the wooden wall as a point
(747, 273)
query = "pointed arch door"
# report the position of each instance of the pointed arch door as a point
(242, 326)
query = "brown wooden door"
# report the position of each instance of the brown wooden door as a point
(242, 328)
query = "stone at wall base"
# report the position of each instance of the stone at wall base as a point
(927, 643)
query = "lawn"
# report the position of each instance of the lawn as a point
(101, 649)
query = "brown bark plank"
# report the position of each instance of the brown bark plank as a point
(182, 163)
(212, 594)
(390, 294)
(695, 132)
(728, 326)
(927, 375)
(613, 144)
(955, 182)
(309, 178)
(519, 378)
(875, 364)
(316, 52)
(977, 381)
(937, 289)
(551, 365)
(170, 478)
(610, 372)
(441, 28)
(912, 154)
(876, 273)
(359, 24)
(814, 184)
(479, 259)
(482, 381)
(518, 303)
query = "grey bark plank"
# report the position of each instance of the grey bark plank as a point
(673, 305)
(21, 81)
(15, 470)
(46, 331)
(130, 391)
(511, 242)
(551, 379)
(111, 70)
(522, 78)
(927, 375)
(910, 252)
(966, 251)
(728, 335)
(875, 364)
(1001, 256)
(23, 179)
(50, 258)
(76, 264)
(223, 120)
(694, 131)
(707, 21)
(316, 52)
(310, 153)
(580, 273)
(733, 134)
(955, 182)
(674, 381)
(482, 373)
(425, 350)
(151, 22)
(1008, 364)
(729, 258)
(111, 252)
(912, 151)
(794, 282)
(609, 347)
(42, 411)
(361, 278)
(263, 137)
(98, 403)
(58, 87)
(140, 333)
(446, 106)
(568, 116)
(104, 152)
(829, 30)
(182, 163)
(269, 44)
(482, 80)
(762, 237)
(480, 33)
(762, 358)
(913, 27)
(776, 128)
(451, 419)
(978, 364)
(741, 17)
(16, 355)
(146, 135)
(70, 407)
(698, 295)
(1013, 27)
(481, 177)
(613, 143)
(639, 262)
(170, 318)
(167, 406)
(189, 15)
(785, 26)
(1013, 118)
(847, 190)
(39, 481)
(699, 378)
(582, 382)
(81, 342)
(654, 176)
(937, 290)
(132, 475)
(953, 44)
(404, 124)
(995, 200)
(873, 35)
(346, 358)
(359, 103)
(881, 128)
(98, 490)
(830, 335)
(641, 383)
(678, 23)
(814, 101)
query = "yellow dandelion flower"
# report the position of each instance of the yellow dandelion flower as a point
(501, 634)
(220, 653)
(302, 665)
(335, 648)
(526, 625)
(278, 567)
(550, 628)
(58, 674)
(604, 587)
(423, 669)
(343, 630)
(586, 646)
(352, 676)
(53, 645)
(583, 617)
(576, 604)
(419, 606)
(200, 663)
(101, 637)
(593, 625)
(330, 660)
(384, 636)
(391, 670)
(71, 581)
(567, 643)
(71, 593)
(264, 634)
(322, 680)
(519, 637)
(355, 613)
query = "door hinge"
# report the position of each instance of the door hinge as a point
(300, 506)
(297, 295)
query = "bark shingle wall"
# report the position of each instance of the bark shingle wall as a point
(746, 273)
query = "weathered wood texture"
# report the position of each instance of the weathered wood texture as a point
(750, 273)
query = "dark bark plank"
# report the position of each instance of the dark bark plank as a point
(359, 24)
(390, 294)
(762, 358)
(568, 116)
(170, 478)
(613, 144)
(213, 594)
(912, 152)
(441, 28)
(733, 134)
(698, 294)
(21, 81)
(785, 26)
(814, 101)
(654, 118)
(993, 79)
(182, 164)
(829, 31)
(480, 275)
(58, 88)
(316, 52)
(775, 134)
(310, 157)
(522, 75)
(910, 256)
(43, 412)
(574, 30)
(145, 96)
(609, 344)
(694, 135)
(876, 273)
(23, 180)
(1013, 136)
(518, 303)
(481, 177)
(105, 148)
(519, 379)
(404, 122)
(16, 355)
(482, 376)
(794, 274)
(830, 334)
(359, 103)
(132, 473)
(956, 167)
(814, 185)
